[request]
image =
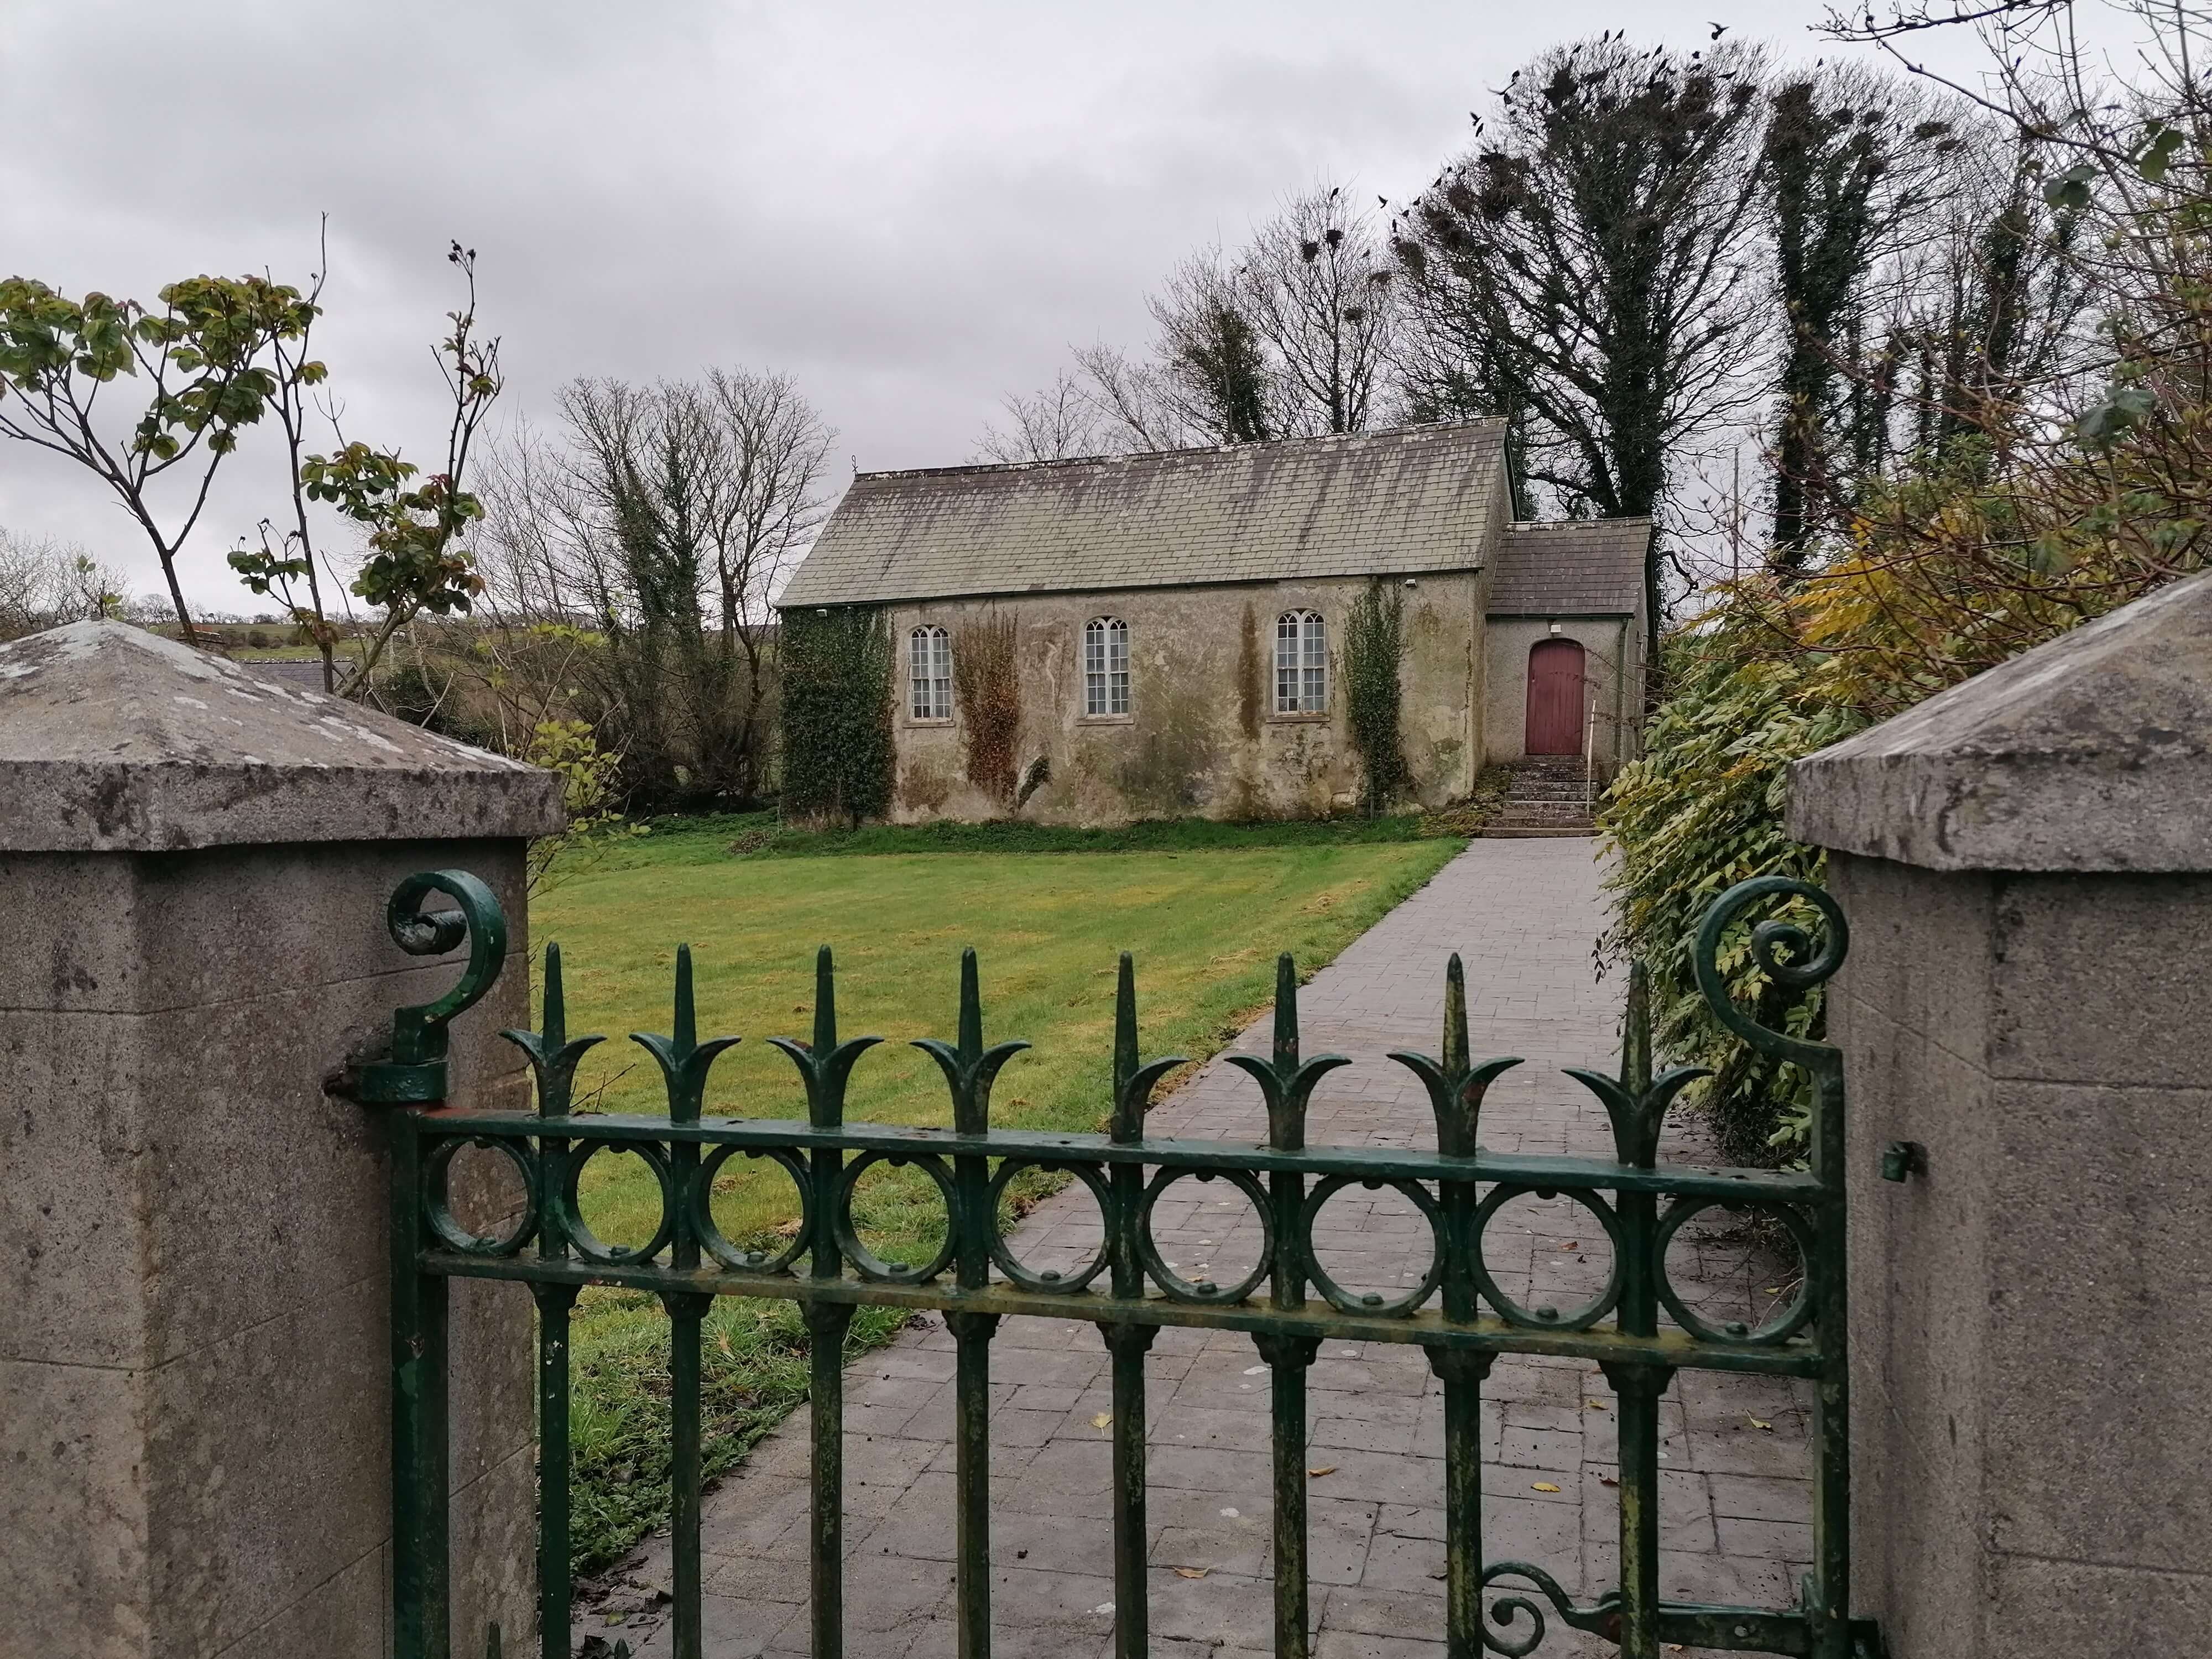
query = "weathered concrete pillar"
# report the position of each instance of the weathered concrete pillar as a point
(2027, 865)
(194, 1394)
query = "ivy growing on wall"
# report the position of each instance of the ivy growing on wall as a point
(837, 756)
(1374, 645)
(985, 680)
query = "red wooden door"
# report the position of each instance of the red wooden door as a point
(1555, 698)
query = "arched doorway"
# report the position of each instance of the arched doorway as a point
(1555, 698)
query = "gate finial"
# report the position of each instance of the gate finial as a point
(1133, 1082)
(827, 1065)
(552, 1056)
(1287, 1082)
(971, 1068)
(1456, 1085)
(684, 1059)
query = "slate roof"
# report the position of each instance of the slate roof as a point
(1580, 567)
(1416, 499)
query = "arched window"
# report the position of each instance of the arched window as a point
(929, 671)
(1301, 663)
(1105, 667)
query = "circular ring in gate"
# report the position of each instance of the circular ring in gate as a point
(438, 1215)
(865, 1261)
(585, 1242)
(1548, 1318)
(1051, 1283)
(1785, 1324)
(1178, 1289)
(1343, 1299)
(710, 1236)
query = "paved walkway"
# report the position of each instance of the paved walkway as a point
(1522, 915)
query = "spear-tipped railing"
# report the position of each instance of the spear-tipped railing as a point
(1637, 1328)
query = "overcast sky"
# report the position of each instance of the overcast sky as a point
(913, 208)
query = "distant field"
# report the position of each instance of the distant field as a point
(1205, 926)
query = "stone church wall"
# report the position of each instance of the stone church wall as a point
(1201, 737)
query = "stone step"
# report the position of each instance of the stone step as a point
(1531, 831)
(1541, 812)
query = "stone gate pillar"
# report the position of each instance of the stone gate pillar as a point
(194, 1376)
(2026, 862)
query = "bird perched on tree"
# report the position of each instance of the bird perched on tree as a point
(1719, 29)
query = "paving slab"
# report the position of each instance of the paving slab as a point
(1735, 1503)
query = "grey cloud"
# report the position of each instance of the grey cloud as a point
(914, 208)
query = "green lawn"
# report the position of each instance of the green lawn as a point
(1204, 922)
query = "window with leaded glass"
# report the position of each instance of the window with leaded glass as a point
(1301, 663)
(929, 673)
(1105, 667)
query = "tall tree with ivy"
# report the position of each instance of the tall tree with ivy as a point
(1589, 266)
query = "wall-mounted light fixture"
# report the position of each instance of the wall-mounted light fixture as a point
(1555, 628)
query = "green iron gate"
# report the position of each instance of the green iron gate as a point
(1288, 1303)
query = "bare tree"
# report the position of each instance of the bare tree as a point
(46, 583)
(1289, 336)
(1316, 286)
(774, 444)
(1056, 423)
(1137, 405)
(662, 521)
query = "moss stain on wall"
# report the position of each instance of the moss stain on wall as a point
(1251, 678)
(1174, 754)
(925, 784)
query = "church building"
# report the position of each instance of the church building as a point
(1165, 634)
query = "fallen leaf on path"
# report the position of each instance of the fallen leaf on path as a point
(1572, 1244)
(1756, 1424)
(1608, 1481)
(1541, 1486)
(1321, 1469)
(1103, 1420)
(1596, 1404)
(1192, 1572)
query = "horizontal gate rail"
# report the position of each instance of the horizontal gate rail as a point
(1638, 1330)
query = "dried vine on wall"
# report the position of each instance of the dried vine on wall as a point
(989, 685)
(1374, 646)
(837, 757)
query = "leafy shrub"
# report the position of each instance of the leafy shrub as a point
(1699, 810)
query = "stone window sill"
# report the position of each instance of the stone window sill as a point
(1299, 719)
(1105, 719)
(916, 719)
